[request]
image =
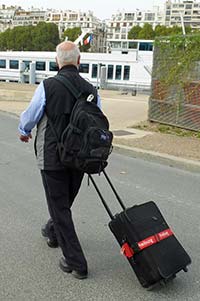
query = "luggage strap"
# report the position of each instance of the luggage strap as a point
(128, 251)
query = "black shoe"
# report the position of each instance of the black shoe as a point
(44, 231)
(76, 274)
(51, 242)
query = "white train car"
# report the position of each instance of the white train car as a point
(113, 70)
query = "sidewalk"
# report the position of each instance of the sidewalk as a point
(123, 111)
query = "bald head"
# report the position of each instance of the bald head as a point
(67, 54)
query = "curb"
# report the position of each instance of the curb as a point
(161, 158)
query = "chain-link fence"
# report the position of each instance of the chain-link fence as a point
(175, 95)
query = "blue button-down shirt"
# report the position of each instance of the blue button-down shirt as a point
(32, 115)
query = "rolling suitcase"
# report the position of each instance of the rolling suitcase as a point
(146, 240)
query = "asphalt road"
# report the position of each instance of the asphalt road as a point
(29, 269)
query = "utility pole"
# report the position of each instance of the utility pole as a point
(182, 24)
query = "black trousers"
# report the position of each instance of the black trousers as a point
(61, 188)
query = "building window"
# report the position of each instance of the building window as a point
(14, 64)
(126, 73)
(84, 68)
(149, 16)
(110, 72)
(144, 46)
(2, 63)
(118, 72)
(27, 64)
(124, 45)
(187, 18)
(132, 45)
(188, 6)
(53, 66)
(115, 44)
(40, 66)
(94, 70)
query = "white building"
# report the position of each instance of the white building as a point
(6, 17)
(16, 16)
(28, 17)
(85, 20)
(187, 10)
(120, 23)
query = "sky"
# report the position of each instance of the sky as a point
(102, 9)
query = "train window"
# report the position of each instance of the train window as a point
(132, 45)
(84, 68)
(146, 46)
(53, 66)
(115, 44)
(118, 72)
(126, 72)
(27, 64)
(124, 45)
(40, 66)
(14, 64)
(94, 70)
(2, 63)
(110, 72)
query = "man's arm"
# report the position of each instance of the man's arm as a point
(98, 101)
(31, 116)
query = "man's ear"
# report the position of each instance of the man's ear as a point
(78, 61)
(57, 63)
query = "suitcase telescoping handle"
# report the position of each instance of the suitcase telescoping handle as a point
(102, 198)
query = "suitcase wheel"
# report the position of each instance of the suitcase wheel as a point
(185, 269)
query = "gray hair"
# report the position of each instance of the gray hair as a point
(67, 56)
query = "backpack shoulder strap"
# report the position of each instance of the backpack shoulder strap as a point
(68, 85)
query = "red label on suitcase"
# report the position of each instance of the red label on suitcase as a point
(147, 242)
(127, 251)
(165, 234)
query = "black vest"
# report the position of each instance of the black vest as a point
(59, 104)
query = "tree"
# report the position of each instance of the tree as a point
(72, 33)
(175, 30)
(43, 37)
(161, 30)
(147, 32)
(134, 32)
(3, 40)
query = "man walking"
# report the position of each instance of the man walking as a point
(52, 101)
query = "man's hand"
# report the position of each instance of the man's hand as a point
(25, 138)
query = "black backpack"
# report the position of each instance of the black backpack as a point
(86, 142)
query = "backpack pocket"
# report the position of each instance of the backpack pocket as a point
(69, 145)
(97, 144)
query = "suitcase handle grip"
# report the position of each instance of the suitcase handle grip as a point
(101, 197)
